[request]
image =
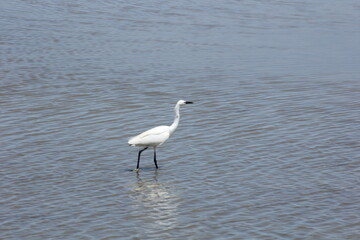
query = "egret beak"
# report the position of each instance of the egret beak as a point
(188, 102)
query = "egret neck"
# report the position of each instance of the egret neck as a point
(175, 124)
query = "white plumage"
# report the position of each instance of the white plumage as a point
(153, 137)
(157, 135)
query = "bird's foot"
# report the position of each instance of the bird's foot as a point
(136, 170)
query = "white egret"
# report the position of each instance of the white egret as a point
(157, 135)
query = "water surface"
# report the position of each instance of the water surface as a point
(269, 150)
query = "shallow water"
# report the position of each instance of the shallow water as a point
(269, 150)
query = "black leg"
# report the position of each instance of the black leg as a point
(138, 162)
(155, 158)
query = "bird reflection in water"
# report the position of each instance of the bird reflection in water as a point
(155, 202)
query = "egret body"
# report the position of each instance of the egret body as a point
(157, 135)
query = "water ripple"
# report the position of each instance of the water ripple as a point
(269, 150)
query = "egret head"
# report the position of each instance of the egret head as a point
(183, 102)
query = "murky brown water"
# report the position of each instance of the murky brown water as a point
(270, 150)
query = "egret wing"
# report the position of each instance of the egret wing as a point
(153, 137)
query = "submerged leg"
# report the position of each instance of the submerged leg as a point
(138, 162)
(155, 158)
